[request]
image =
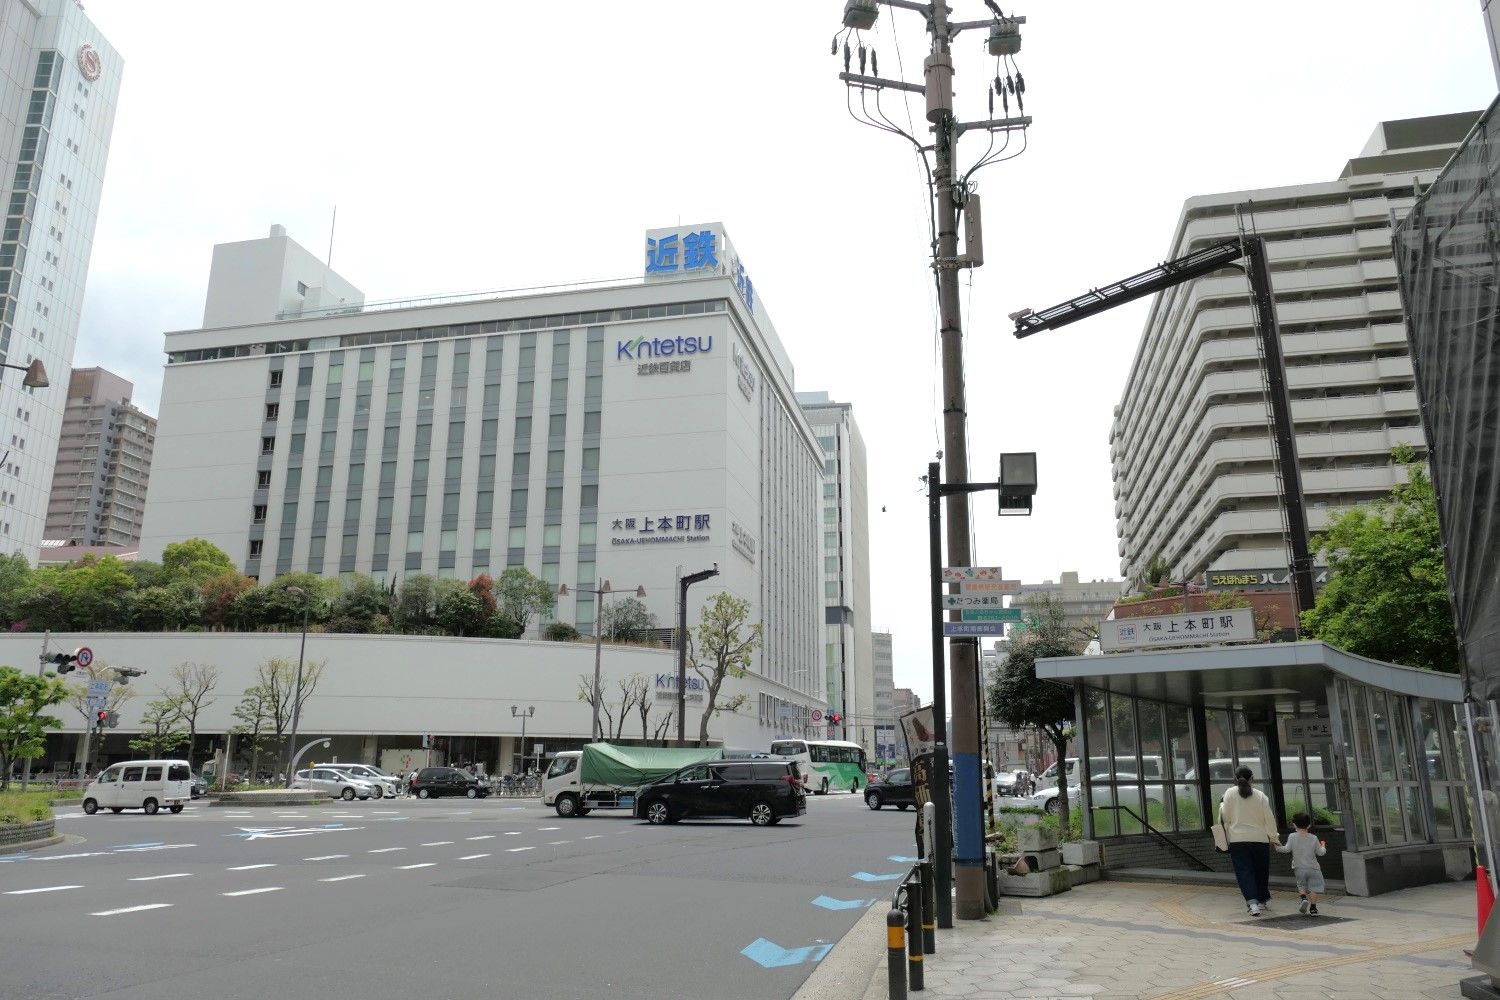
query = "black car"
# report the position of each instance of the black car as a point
(895, 789)
(763, 791)
(431, 782)
(200, 786)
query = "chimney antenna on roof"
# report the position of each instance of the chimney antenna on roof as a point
(331, 227)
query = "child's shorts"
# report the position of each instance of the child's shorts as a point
(1309, 879)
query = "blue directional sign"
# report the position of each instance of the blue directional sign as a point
(829, 903)
(770, 955)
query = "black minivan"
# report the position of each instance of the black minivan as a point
(431, 782)
(764, 791)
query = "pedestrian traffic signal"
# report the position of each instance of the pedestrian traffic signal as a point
(112, 719)
(102, 719)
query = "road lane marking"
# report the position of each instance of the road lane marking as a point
(246, 868)
(512, 833)
(473, 857)
(593, 836)
(385, 812)
(253, 892)
(144, 843)
(544, 829)
(483, 836)
(385, 850)
(131, 909)
(49, 888)
(340, 878)
(555, 843)
(513, 850)
(154, 847)
(153, 878)
(326, 857)
(438, 843)
(407, 868)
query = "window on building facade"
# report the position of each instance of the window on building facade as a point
(258, 514)
(481, 539)
(413, 543)
(523, 431)
(299, 410)
(591, 422)
(588, 497)
(429, 365)
(304, 376)
(255, 546)
(591, 460)
(273, 410)
(486, 468)
(335, 373)
(516, 537)
(267, 445)
(484, 504)
(555, 461)
(588, 532)
(356, 476)
(366, 371)
(263, 479)
(293, 480)
(551, 534)
(523, 393)
(330, 407)
(554, 498)
(492, 395)
(276, 379)
(393, 402)
(528, 357)
(518, 501)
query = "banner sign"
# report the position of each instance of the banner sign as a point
(1187, 629)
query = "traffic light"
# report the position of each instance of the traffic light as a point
(112, 719)
(66, 662)
(835, 718)
(101, 719)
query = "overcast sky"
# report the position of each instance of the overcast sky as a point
(505, 145)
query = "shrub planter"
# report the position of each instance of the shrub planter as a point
(1041, 861)
(1046, 883)
(1083, 852)
(22, 836)
(274, 797)
(1034, 839)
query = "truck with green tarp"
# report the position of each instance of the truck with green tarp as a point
(606, 776)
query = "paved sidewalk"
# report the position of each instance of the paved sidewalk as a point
(1155, 941)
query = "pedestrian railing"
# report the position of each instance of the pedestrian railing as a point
(910, 930)
(1146, 825)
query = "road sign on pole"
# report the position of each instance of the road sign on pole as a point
(83, 656)
(971, 629)
(990, 587)
(973, 600)
(98, 688)
(960, 574)
(96, 703)
(992, 615)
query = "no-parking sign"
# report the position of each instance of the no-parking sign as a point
(817, 715)
(83, 656)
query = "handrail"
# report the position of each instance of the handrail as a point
(1159, 836)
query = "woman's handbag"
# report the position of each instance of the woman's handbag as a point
(1221, 837)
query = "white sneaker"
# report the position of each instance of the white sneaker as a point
(1255, 909)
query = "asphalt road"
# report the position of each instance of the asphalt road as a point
(438, 899)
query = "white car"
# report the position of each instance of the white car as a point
(336, 783)
(385, 784)
(1103, 793)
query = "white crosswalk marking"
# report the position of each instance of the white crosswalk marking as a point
(253, 892)
(483, 836)
(472, 857)
(438, 843)
(246, 868)
(513, 850)
(407, 868)
(385, 850)
(340, 878)
(49, 888)
(153, 878)
(326, 857)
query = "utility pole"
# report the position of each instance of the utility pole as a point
(951, 193)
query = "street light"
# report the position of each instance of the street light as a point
(36, 375)
(682, 589)
(297, 694)
(600, 590)
(523, 716)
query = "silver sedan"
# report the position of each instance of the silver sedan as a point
(337, 784)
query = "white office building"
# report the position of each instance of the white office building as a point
(848, 656)
(59, 79)
(1084, 603)
(1195, 482)
(883, 660)
(635, 433)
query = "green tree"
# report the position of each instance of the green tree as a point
(195, 561)
(24, 699)
(559, 632)
(252, 723)
(722, 646)
(362, 605)
(1387, 593)
(93, 593)
(1021, 700)
(502, 626)
(415, 609)
(459, 611)
(275, 692)
(282, 607)
(146, 573)
(39, 604)
(15, 575)
(161, 729)
(524, 596)
(192, 689)
(157, 609)
(626, 619)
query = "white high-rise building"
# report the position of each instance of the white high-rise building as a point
(848, 656)
(1195, 483)
(883, 661)
(103, 463)
(633, 433)
(59, 79)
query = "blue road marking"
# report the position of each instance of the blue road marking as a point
(867, 877)
(829, 903)
(904, 861)
(770, 955)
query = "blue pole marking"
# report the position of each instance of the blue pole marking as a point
(770, 955)
(829, 903)
(867, 877)
(968, 851)
(905, 861)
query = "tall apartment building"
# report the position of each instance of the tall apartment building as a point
(883, 664)
(59, 79)
(103, 463)
(1195, 483)
(904, 700)
(634, 432)
(1084, 602)
(847, 650)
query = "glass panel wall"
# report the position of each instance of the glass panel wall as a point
(1142, 765)
(1385, 774)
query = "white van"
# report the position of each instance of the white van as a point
(140, 784)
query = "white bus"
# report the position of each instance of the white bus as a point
(825, 764)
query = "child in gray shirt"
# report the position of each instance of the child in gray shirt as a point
(1305, 850)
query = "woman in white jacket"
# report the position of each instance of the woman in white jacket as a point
(1251, 828)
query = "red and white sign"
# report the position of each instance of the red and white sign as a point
(817, 716)
(89, 63)
(965, 574)
(83, 656)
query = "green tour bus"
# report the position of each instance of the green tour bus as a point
(825, 764)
